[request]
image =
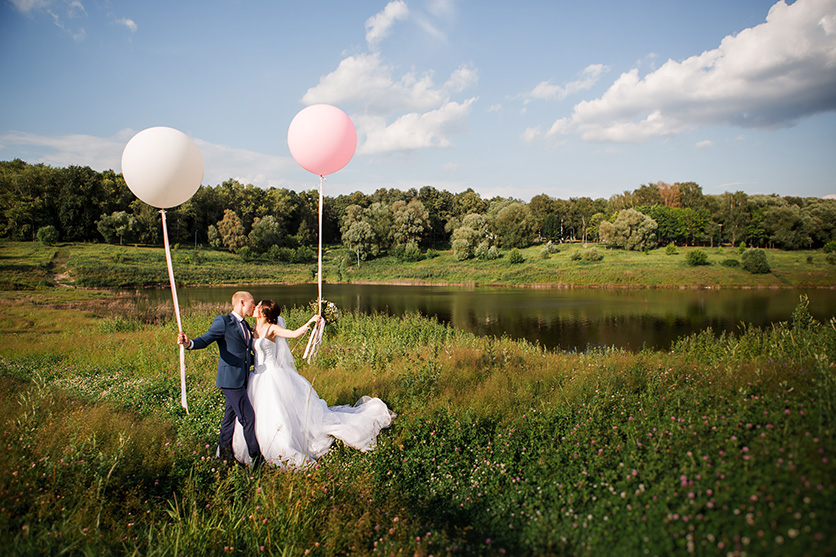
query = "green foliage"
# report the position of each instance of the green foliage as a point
(246, 253)
(432, 254)
(407, 253)
(231, 231)
(631, 230)
(830, 247)
(515, 257)
(741, 248)
(47, 235)
(498, 447)
(696, 257)
(754, 261)
(482, 251)
(544, 253)
(831, 258)
(730, 262)
(670, 249)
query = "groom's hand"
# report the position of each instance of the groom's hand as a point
(183, 340)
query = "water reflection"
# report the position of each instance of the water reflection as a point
(564, 319)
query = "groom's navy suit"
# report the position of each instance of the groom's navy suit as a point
(235, 345)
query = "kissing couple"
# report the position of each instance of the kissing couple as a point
(273, 414)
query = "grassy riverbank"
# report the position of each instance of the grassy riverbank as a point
(28, 266)
(719, 446)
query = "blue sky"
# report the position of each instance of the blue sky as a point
(514, 99)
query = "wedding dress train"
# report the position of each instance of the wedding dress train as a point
(293, 425)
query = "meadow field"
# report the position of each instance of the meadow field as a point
(721, 446)
(28, 265)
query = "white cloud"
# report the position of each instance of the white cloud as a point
(129, 23)
(412, 130)
(395, 112)
(705, 144)
(27, 6)
(767, 76)
(380, 25)
(547, 91)
(105, 153)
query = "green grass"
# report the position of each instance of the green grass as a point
(27, 266)
(722, 445)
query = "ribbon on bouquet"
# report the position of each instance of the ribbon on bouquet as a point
(316, 335)
(183, 401)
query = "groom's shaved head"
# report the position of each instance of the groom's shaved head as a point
(241, 295)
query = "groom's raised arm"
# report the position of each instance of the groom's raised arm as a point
(215, 333)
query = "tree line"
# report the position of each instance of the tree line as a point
(78, 204)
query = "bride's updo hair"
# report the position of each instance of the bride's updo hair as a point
(271, 311)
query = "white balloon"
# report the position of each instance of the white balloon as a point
(162, 166)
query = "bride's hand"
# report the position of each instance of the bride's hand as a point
(316, 319)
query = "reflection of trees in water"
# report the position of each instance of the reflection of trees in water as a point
(562, 319)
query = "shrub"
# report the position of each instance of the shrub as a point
(730, 262)
(742, 247)
(275, 253)
(493, 253)
(809, 259)
(754, 261)
(671, 249)
(246, 253)
(516, 256)
(576, 255)
(410, 252)
(544, 253)
(461, 249)
(552, 247)
(830, 247)
(431, 254)
(831, 258)
(591, 254)
(482, 251)
(303, 254)
(696, 257)
(47, 235)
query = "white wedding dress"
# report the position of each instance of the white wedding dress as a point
(294, 427)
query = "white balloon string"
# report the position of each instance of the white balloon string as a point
(183, 401)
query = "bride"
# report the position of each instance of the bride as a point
(293, 425)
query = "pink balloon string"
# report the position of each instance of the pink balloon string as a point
(183, 401)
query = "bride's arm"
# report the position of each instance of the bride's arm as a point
(276, 331)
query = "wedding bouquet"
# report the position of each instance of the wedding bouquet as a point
(329, 311)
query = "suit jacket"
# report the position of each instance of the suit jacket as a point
(236, 355)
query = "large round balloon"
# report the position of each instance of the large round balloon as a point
(322, 138)
(162, 166)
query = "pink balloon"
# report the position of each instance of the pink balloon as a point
(322, 139)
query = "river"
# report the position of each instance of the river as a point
(565, 319)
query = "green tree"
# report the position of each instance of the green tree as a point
(473, 230)
(513, 226)
(789, 227)
(410, 222)
(265, 233)
(359, 237)
(232, 231)
(631, 230)
(117, 225)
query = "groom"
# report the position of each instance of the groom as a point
(235, 344)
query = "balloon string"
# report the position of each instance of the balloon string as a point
(183, 401)
(319, 260)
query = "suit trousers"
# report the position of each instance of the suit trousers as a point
(238, 406)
